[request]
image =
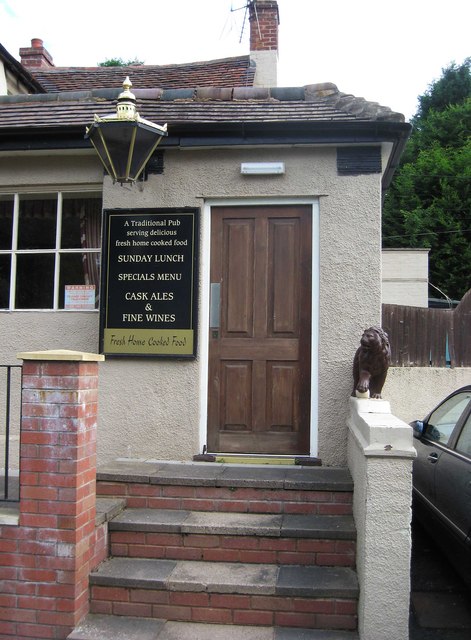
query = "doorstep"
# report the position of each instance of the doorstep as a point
(232, 458)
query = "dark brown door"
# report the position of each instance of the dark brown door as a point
(259, 340)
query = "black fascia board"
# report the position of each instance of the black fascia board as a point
(308, 130)
(187, 135)
(40, 139)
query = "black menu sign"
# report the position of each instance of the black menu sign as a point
(149, 282)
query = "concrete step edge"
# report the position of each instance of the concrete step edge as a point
(225, 577)
(227, 475)
(104, 627)
(235, 524)
(108, 508)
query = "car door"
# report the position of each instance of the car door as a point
(439, 434)
(453, 481)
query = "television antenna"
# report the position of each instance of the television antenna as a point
(245, 8)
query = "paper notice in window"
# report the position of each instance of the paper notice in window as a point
(79, 297)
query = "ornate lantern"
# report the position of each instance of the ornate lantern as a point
(124, 141)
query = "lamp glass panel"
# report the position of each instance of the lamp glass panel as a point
(118, 138)
(146, 140)
(95, 137)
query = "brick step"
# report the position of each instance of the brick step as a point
(233, 488)
(104, 627)
(227, 593)
(307, 539)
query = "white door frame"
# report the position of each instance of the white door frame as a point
(203, 337)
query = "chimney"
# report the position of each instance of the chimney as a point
(264, 20)
(36, 56)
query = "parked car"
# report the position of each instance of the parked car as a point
(442, 477)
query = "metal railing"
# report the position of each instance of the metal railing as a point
(10, 416)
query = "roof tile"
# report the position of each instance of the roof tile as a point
(176, 107)
(225, 72)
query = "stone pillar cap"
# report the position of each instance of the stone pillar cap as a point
(61, 354)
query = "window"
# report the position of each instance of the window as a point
(443, 420)
(50, 250)
(464, 441)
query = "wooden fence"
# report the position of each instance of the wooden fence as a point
(422, 337)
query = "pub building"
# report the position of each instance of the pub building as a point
(204, 229)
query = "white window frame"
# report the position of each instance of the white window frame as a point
(14, 252)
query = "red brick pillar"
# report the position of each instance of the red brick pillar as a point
(57, 489)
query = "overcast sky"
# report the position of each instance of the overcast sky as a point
(386, 52)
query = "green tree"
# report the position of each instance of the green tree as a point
(452, 88)
(429, 201)
(119, 62)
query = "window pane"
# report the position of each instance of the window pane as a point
(37, 222)
(5, 265)
(6, 221)
(79, 269)
(81, 222)
(464, 441)
(34, 281)
(443, 420)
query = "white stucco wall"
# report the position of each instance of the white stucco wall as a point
(414, 391)
(151, 408)
(405, 277)
(380, 455)
(266, 64)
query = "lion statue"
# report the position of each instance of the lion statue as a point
(371, 363)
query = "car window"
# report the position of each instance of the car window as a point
(443, 420)
(463, 444)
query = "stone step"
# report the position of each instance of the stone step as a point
(225, 487)
(102, 627)
(227, 593)
(234, 537)
(107, 509)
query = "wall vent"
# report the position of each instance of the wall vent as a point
(352, 161)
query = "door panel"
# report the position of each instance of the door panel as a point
(259, 356)
(237, 274)
(284, 266)
(236, 393)
(283, 391)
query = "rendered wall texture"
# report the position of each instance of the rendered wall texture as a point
(380, 455)
(414, 391)
(152, 408)
(405, 277)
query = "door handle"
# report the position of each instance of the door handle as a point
(215, 305)
(433, 457)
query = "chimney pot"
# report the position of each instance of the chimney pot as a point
(36, 56)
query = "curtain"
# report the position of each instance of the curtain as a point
(90, 238)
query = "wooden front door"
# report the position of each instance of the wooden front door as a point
(260, 330)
